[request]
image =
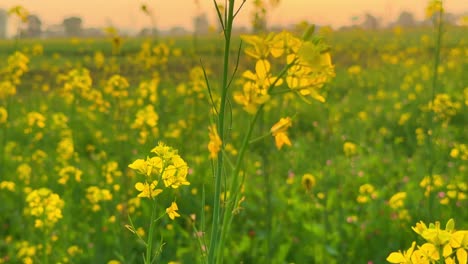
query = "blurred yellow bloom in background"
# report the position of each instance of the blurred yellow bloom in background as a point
(279, 131)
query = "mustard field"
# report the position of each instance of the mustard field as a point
(288, 147)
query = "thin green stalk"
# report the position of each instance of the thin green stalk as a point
(269, 207)
(3, 140)
(235, 186)
(217, 221)
(430, 145)
(149, 245)
(45, 257)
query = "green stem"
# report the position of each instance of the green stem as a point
(217, 221)
(149, 245)
(45, 257)
(430, 145)
(235, 186)
(3, 139)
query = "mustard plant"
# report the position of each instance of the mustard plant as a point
(164, 170)
(306, 68)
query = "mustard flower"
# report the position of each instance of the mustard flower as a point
(65, 149)
(95, 195)
(214, 146)
(259, 47)
(443, 107)
(117, 86)
(172, 211)
(148, 190)
(397, 200)
(146, 116)
(35, 119)
(256, 87)
(349, 149)
(7, 88)
(68, 172)
(7, 185)
(3, 115)
(175, 174)
(433, 7)
(20, 12)
(308, 181)
(163, 151)
(279, 131)
(459, 151)
(366, 193)
(43, 204)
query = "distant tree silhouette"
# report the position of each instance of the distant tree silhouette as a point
(73, 26)
(33, 28)
(3, 23)
(201, 24)
(370, 22)
(406, 19)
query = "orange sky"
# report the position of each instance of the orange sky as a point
(169, 13)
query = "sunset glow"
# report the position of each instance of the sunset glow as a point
(126, 13)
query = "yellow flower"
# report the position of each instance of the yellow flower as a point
(256, 87)
(349, 149)
(308, 181)
(354, 70)
(19, 11)
(148, 190)
(402, 258)
(172, 211)
(434, 6)
(44, 204)
(175, 174)
(8, 185)
(3, 115)
(117, 86)
(279, 132)
(214, 146)
(397, 200)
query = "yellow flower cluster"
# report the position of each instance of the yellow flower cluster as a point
(349, 149)
(308, 67)
(34, 119)
(431, 183)
(7, 88)
(397, 203)
(17, 66)
(167, 166)
(45, 206)
(367, 192)
(146, 121)
(76, 82)
(459, 151)
(68, 172)
(443, 106)
(117, 86)
(96, 195)
(442, 246)
(434, 7)
(7, 185)
(455, 192)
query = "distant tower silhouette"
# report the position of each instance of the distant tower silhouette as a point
(3, 23)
